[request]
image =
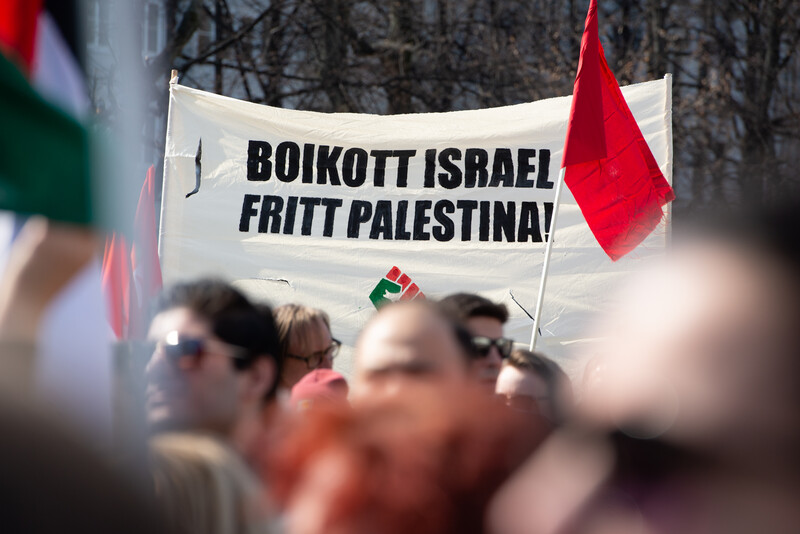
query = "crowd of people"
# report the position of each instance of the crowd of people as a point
(416, 440)
(684, 420)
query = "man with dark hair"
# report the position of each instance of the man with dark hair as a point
(530, 382)
(484, 320)
(215, 361)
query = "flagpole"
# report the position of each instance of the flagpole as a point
(546, 266)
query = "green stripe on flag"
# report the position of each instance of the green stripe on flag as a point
(44, 154)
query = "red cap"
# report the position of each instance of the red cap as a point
(320, 386)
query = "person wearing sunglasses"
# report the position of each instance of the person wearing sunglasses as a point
(484, 320)
(306, 342)
(213, 363)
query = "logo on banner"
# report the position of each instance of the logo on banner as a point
(393, 287)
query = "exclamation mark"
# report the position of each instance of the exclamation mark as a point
(548, 219)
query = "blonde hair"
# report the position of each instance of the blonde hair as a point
(295, 322)
(203, 487)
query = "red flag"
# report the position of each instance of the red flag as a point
(116, 281)
(609, 167)
(132, 276)
(144, 257)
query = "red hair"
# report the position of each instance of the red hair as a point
(422, 465)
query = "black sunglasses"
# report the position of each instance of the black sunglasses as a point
(484, 344)
(176, 346)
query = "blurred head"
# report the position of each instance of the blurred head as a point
(530, 382)
(202, 486)
(56, 479)
(703, 351)
(401, 465)
(306, 342)
(214, 359)
(407, 345)
(321, 388)
(484, 320)
(691, 402)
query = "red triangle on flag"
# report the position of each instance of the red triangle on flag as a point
(18, 26)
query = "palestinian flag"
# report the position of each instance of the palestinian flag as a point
(44, 169)
(44, 147)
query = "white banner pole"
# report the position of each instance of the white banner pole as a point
(546, 266)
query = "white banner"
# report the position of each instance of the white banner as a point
(339, 211)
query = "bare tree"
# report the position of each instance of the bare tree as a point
(735, 62)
